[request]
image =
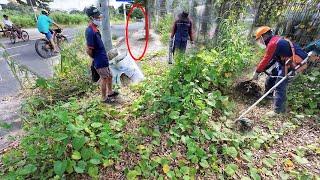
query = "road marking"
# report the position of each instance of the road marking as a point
(15, 47)
(14, 55)
(36, 38)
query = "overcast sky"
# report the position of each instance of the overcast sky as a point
(72, 4)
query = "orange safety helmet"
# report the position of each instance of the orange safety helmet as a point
(262, 30)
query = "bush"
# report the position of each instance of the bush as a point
(164, 28)
(69, 19)
(27, 18)
(304, 94)
(197, 85)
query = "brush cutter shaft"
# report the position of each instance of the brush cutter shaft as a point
(276, 85)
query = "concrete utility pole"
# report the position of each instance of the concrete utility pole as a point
(106, 30)
(124, 12)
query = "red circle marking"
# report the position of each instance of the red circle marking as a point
(146, 27)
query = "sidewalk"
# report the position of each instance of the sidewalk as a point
(10, 105)
(9, 85)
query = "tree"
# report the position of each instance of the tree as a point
(163, 8)
(206, 18)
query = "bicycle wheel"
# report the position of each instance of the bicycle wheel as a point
(61, 40)
(13, 37)
(24, 35)
(43, 48)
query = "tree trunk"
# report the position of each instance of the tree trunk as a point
(221, 15)
(206, 18)
(31, 2)
(163, 8)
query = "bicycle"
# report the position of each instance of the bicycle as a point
(45, 49)
(13, 34)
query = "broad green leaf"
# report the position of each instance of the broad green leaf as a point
(204, 163)
(269, 162)
(95, 161)
(231, 169)
(96, 125)
(247, 155)
(171, 174)
(300, 160)
(78, 142)
(231, 151)
(61, 137)
(174, 115)
(59, 167)
(245, 178)
(266, 171)
(254, 174)
(284, 176)
(79, 170)
(93, 171)
(27, 169)
(213, 149)
(81, 166)
(87, 153)
(76, 155)
(133, 174)
(42, 83)
(107, 162)
(185, 177)
(70, 166)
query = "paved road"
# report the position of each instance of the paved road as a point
(23, 53)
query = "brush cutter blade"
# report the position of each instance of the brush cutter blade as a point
(244, 124)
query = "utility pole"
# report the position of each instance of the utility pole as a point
(106, 30)
(124, 13)
(34, 8)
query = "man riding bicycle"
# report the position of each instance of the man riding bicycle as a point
(10, 26)
(44, 22)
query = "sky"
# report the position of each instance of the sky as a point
(73, 4)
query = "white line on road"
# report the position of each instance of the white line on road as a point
(14, 47)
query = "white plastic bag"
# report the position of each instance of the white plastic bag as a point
(127, 66)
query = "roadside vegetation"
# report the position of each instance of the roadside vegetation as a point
(27, 19)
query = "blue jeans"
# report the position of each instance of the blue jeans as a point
(49, 34)
(180, 45)
(281, 90)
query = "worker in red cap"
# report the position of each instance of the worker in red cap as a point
(279, 51)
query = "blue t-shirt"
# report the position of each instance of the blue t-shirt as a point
(44, 22)
(94, 42)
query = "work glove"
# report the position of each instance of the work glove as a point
(255, 76)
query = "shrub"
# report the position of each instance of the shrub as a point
(304, 94)
(164, 28)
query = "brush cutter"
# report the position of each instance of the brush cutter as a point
(170, 52)
(245, 123)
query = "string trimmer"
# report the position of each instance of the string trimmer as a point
(245, 123)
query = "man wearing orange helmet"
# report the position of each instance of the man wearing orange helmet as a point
(278, 51)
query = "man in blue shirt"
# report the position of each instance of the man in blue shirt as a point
(97, 51)
(44, 22)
